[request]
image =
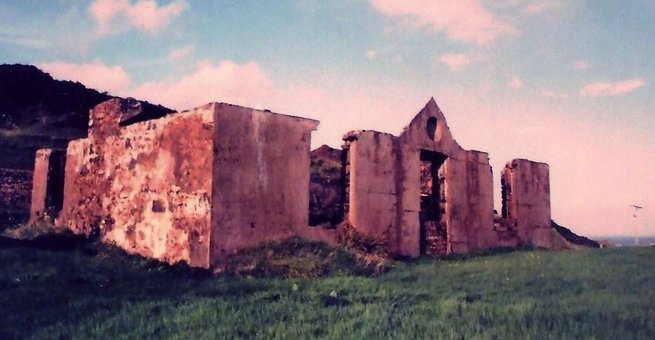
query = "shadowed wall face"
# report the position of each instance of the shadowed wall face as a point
(260, 179)
(47, 184)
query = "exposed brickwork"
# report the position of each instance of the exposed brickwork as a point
(193, 186)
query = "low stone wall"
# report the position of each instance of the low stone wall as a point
(15, 193)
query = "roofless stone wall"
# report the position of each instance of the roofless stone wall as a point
(450, 211)
(194, 186)
(145, 187)
(526, 201)
(199, 185)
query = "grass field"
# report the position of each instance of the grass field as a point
(82, 292)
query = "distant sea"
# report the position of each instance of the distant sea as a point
(627, 241)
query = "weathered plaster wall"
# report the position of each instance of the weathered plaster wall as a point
(468, 181)
(527, 201)
(145, 187)
(469, 205)
(261, 178)
(385, 189)
(47, 183)
(373, 189)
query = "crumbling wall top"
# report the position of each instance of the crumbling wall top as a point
(515, 162)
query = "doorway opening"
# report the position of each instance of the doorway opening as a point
(433, 232)
(55, 182)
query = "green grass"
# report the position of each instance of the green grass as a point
(81, 291)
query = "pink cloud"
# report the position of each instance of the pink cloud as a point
(538, 6)
(464, 20)
(529, 6)
(97, 75)
(603, 89)
(553, 94)
(581, 65)
(515, 82)
(112, 16)
(243, 84)
(180, 53)
(455, 61)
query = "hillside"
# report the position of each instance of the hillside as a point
(92, 293)
(37, 111)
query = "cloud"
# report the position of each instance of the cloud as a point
(455, 61)
(581, 65)
(113, 16)
(464, 20)
(180, 53)
(603, 89)
(553, 94)
(529, 6)
(370, 54)
(243, 84)
(31, 41)
(515, 82)
(97, 75)
(537, 6)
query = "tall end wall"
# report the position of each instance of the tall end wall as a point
(260, 178)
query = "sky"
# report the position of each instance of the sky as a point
(566, 82)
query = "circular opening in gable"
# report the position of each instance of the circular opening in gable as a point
(431, 127)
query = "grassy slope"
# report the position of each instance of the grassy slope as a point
(606, 293)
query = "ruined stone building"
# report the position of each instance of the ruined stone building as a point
(192, 186)
(198, 185)
(427, 195)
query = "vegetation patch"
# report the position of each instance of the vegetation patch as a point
(298, 258)
(84, 289)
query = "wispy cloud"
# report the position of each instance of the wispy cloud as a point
(515, 82)
(96, 75)
(528, 6)
(603, 89)
(177, 54)
(581, 65)
(464, 20)
(553, 94)
(113, 16)
(31, 41)
(455, 61)
(538, 6)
